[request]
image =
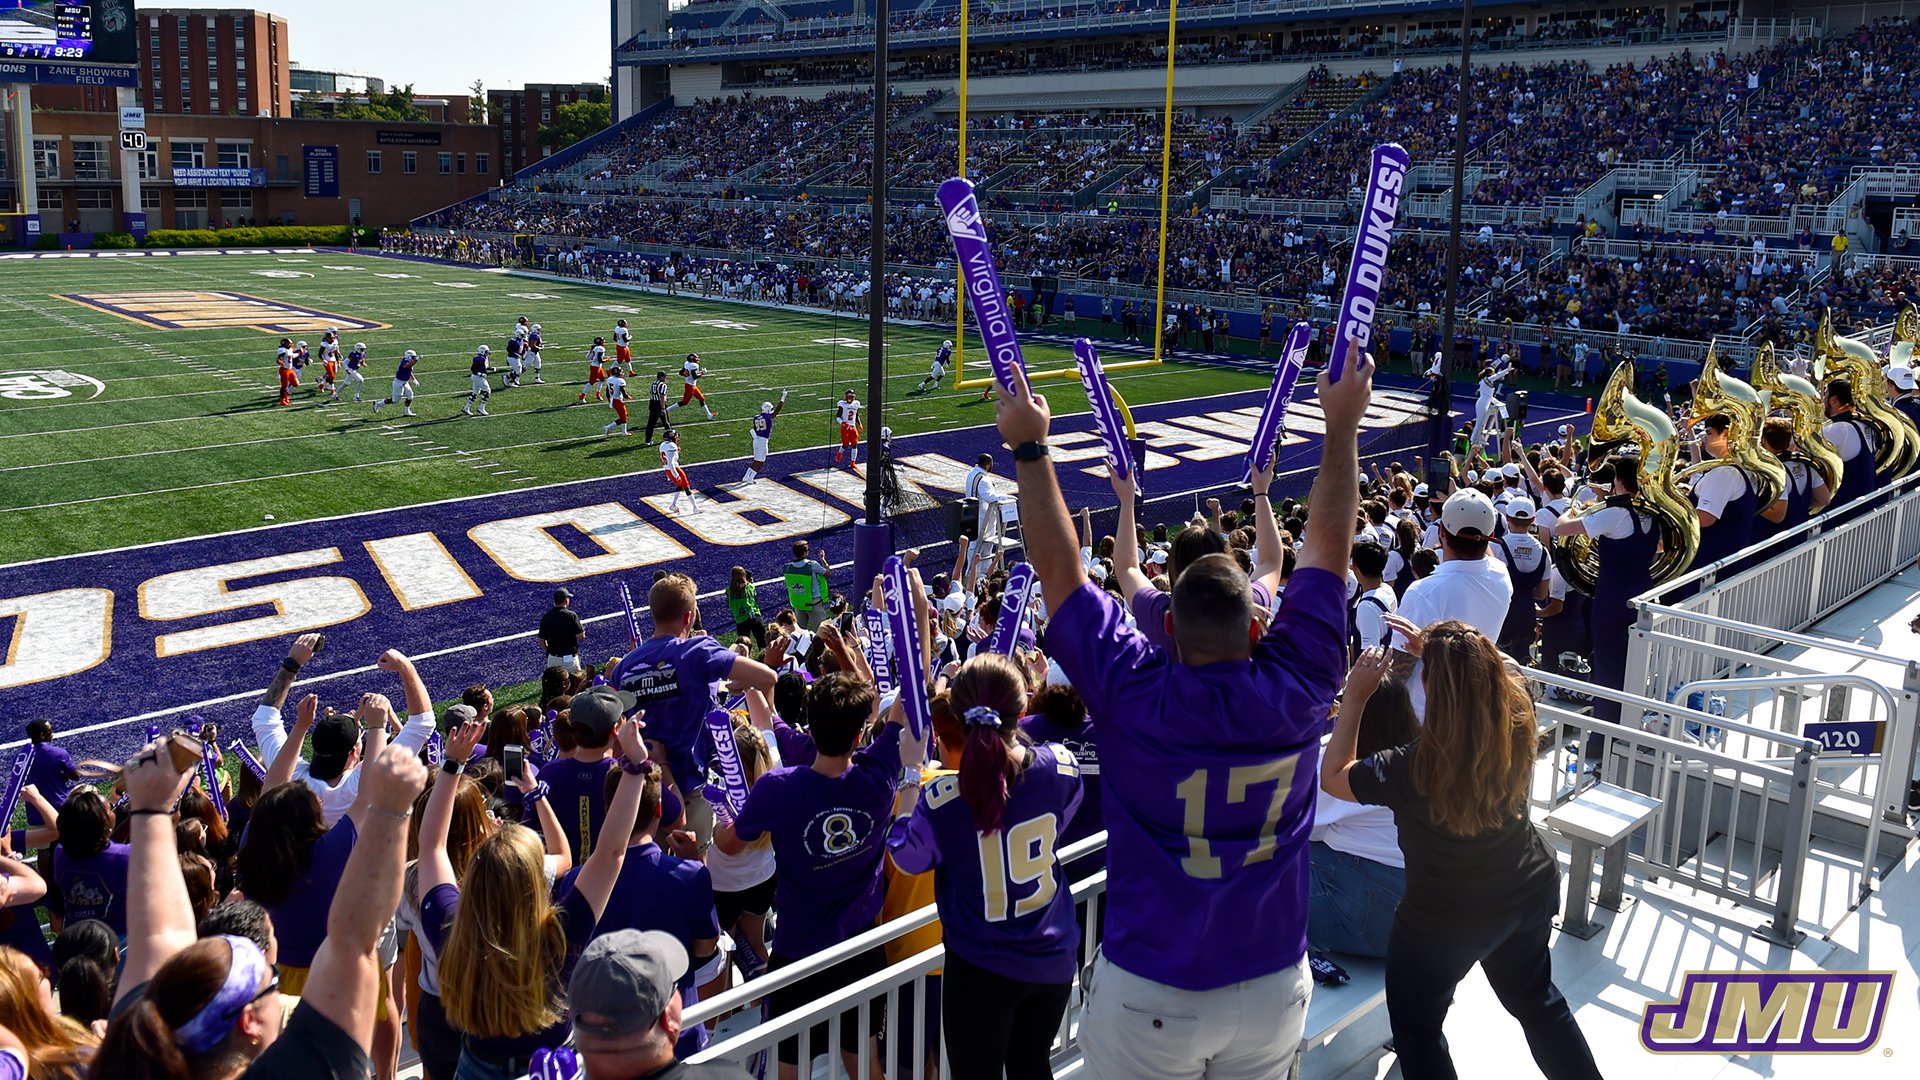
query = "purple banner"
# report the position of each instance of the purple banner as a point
(1273, 416)
(1106, 418)
(1367, 273)
(984, 291)
(877, 651)
(435, 748)
(904, 630)
(210, 772)
(626, 605)
(238, 748)
(1013, 609)
(726, 758)
(16, 783)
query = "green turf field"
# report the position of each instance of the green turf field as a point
(187, 439)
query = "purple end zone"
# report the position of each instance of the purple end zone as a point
(479, 572)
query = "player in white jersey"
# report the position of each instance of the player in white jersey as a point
(354, 377)
(597, 370)
(482, 389)
(623, 347)
(690, 374)
(617, 395)
(677, 476)
(762, 434)
(404, 381)
(289, 375)
(847, 412)
(939, 371)
(330, 364)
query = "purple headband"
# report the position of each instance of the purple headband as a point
(208, 1027)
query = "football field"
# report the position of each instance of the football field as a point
(138, 394)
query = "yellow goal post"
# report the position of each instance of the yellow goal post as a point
(961, 381)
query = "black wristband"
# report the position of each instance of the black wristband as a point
(1262, 495)
(1030, 451)
(289, 666)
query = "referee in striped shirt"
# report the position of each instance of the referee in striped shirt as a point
(656, 405)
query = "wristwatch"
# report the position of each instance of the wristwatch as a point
(1030, 451)
(452, 766)
(910, 774)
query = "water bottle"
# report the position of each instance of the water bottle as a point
(1716, 706)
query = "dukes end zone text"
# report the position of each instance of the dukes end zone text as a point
(194, 625)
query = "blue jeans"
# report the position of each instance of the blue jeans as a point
(1350, 902)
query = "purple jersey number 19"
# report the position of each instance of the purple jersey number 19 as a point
(1273, 416)
(989, 298)
(1367, 273)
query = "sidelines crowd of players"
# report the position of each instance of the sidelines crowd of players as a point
(606, 381)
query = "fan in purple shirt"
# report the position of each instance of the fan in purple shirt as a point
(89, 871)
(52, 771)
(506, 942)
(1150, 606)
(828, 821)
(1207, 764)
(990, 834)
(671, 675)
(659, 891)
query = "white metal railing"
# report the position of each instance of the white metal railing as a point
(900, 989)
(1731, 827)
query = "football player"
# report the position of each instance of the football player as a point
(677, 476)
(289, 375)
(939, 371)
(690, 375)
(533, 352)
(597, 370)
(762, 432)
(354, 376)
(623, 347)
(482, 386)
(847, 412)
(404, 380)
(617, 396)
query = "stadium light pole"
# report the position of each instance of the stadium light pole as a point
(1440, 400)
(873, 539)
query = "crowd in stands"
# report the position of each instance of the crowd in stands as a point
(546, 887)
(1215, 45)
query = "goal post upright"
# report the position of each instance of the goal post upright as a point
(961, 381)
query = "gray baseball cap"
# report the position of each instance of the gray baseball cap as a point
(622, 984)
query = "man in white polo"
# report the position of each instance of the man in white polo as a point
(1469, 585)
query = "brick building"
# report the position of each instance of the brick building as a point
(519, 115)
(198, 61)
(250, 169)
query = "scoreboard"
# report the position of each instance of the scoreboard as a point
(100, 32)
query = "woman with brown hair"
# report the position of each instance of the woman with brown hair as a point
(1482, 886)
(56, 1047)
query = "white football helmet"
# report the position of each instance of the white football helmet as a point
(766, 406)
(360, 346)
(300, 345)
(411, 355)
(484, 350)
(536, 328)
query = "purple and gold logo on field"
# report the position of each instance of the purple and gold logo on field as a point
(1772, 1012)
(189, 309)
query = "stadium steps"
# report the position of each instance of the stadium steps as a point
(1280, 97)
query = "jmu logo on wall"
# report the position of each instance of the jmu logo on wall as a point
(1770, 1012)
(183, 309)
